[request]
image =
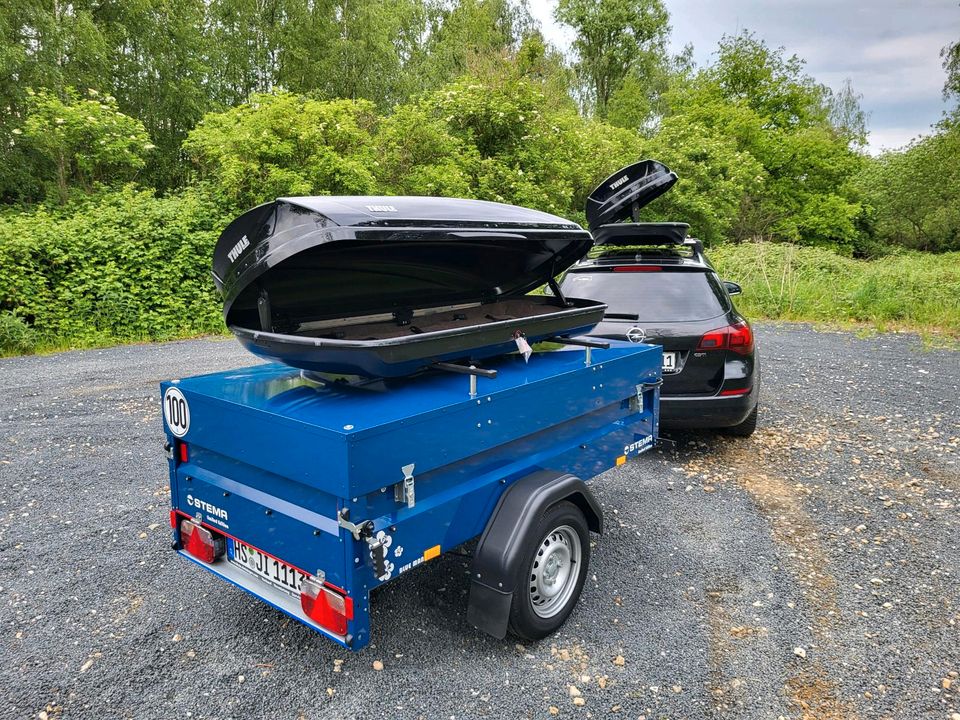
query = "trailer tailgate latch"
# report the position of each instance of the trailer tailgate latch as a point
(359, 530)
(404, 492)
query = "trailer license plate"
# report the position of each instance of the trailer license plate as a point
(275, 572)
(669, 362)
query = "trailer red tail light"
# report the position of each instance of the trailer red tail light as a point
(326, 607)
(183, 452)
(638, 268)
(737, 337)
(200, 542)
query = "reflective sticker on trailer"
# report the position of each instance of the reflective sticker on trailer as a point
(428, 554)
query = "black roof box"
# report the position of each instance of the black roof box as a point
(385, 286)
(627, 190)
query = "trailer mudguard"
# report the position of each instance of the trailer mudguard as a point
(496, 562)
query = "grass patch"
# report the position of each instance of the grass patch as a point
(906, 291)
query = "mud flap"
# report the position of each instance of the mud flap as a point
(497, 560)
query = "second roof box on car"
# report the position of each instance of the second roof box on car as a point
(386, 286)
(620, 197)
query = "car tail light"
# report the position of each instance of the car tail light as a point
(200, 542)
(737, 337)
(738, 391)
(637, 268)
(326, 607)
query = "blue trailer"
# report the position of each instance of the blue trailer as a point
(310, 493)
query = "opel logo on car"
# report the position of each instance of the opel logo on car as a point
(636, 334)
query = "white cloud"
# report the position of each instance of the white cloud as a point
(913, 48)
(891, 138)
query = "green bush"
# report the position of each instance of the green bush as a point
(124, 266)
(16, 337)
(782, 281)
(283, 144)
(79, 143)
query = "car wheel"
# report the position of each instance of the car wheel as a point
(746, 428)
(555, 568)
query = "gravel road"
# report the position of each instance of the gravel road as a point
(810, 571)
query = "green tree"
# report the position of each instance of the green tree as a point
(780, 117)
(846, 115)
(42, 45)
(417, 154)
(715, 176)
(614, 40)
(159, 68)
(517, 146)
(284, 144)
(951, 64)
(773, 85)
(466, 35)
(148, 54)
(81, 142)
(913, 195)
(372, 42)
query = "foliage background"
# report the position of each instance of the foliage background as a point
(132, 131)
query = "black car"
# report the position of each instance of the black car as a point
(660, 288)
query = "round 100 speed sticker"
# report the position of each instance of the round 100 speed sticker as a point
(176, 411)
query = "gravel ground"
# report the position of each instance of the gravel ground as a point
(810, 571)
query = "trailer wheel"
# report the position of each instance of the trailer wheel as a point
(553, 571)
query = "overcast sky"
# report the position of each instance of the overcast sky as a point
(890, 49)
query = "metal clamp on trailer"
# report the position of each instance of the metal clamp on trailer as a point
(365, 453)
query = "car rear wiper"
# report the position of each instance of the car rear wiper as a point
(622, 316)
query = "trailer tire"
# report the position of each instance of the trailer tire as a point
(552, 572)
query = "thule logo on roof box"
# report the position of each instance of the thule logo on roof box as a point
(617, 183)
(238, 248)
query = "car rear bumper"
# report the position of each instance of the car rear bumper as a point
(707, 412)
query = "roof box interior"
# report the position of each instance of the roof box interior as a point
(668, 233)
(386, 286)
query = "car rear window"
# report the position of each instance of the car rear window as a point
(665, 296)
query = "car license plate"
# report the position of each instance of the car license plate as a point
(669, 362)
(275, 572)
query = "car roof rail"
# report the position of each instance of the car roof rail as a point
(690, 250)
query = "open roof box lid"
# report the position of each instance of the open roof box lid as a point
(620, 197)
(386, 286)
